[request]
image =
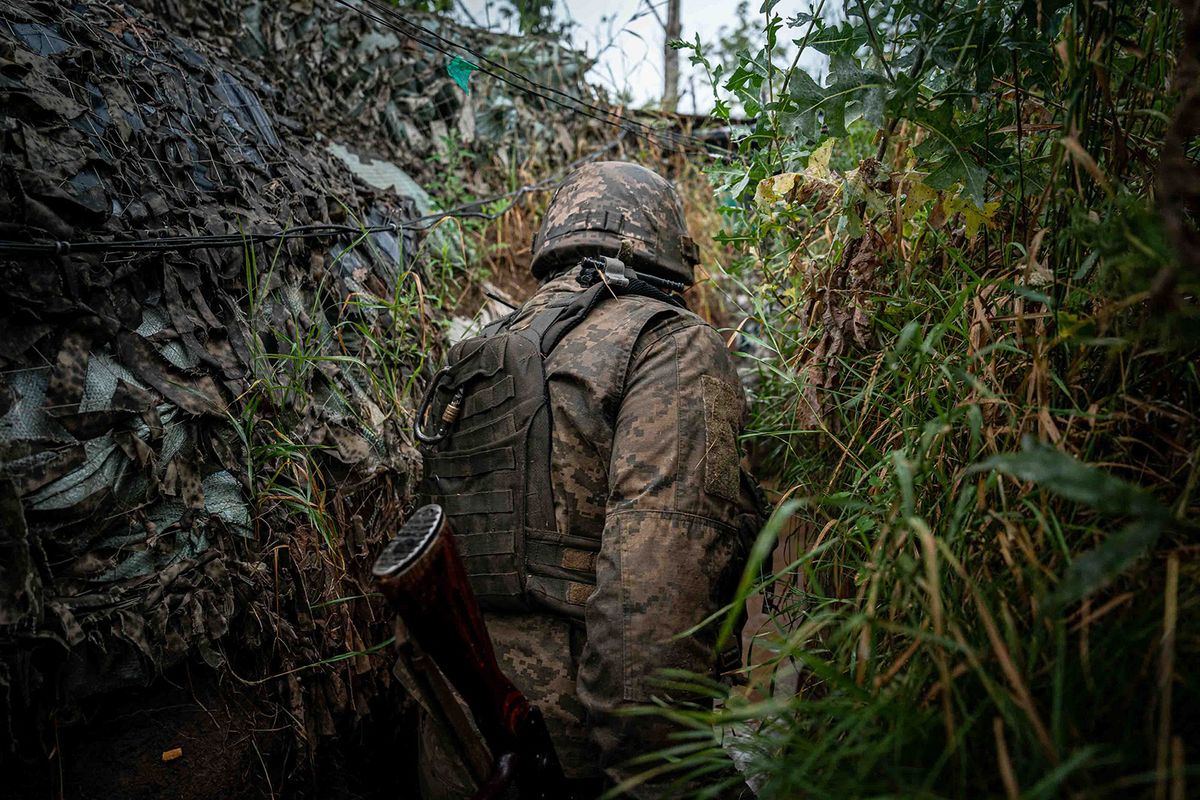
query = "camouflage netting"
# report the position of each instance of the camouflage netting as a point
(356, 80)
(202, 451)
(198, 458)
(385, 104)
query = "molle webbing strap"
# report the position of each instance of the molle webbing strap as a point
(461, 465)
(460, 504)
(488, 397)
(491, 586)
(487, 543)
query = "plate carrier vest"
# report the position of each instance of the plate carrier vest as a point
(488, 462)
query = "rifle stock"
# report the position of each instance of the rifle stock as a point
(421, 574)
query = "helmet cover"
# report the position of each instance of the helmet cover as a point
(620, 209)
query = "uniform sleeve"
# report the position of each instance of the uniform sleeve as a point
(672, 545)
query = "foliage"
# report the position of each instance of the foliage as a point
(531, 16)
(384, 341)
(972, 388)
(440, 6)
(733, 41)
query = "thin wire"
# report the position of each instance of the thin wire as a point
(160, 244)
(584, 107)
(395, 13)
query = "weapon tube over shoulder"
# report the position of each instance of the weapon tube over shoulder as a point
(421, 574)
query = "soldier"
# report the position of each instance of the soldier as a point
(636, 512)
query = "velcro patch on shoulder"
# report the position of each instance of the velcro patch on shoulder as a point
(722, 413)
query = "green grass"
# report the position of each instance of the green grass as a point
(987, 439)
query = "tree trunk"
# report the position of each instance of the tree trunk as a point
(670, 98)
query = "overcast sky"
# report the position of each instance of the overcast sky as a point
(629, 41)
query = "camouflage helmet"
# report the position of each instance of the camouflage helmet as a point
(611, 208)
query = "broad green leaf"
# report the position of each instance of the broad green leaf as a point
(956, 169)
(941, 133)
(1100, 566)
(851, 224)
(929, 148)
(844, 38)
(1063, 475)
(739, 187)
(871, 104)
(863, 89)
(807, 93)
(807, 96)
(1060, 474)
(832, 118)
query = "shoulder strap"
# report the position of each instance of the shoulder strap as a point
(558, 319)
(559, 325)
(497, 325)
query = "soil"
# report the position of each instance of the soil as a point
(226, 748)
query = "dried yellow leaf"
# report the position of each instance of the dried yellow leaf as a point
(818, 161)
(776, 189)
(973, 216)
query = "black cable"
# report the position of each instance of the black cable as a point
(395, 13)
(587, 109)
(162, 244)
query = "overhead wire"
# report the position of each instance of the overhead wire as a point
(162, 244)
(538, 89)
(394, 13)
(395, 21)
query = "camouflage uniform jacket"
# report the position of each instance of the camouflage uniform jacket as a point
(646, 409)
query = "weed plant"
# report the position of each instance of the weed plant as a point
(351, 357)
(975, 399)
(336, 368)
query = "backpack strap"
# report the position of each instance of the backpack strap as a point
(618, 280)
(551, 328)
